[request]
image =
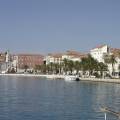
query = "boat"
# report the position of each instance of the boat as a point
(71, 78)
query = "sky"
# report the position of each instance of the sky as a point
(44, 26)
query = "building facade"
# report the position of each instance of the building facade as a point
(29, 60)
(73, 55)
(59, 57)
(5, 62)
(116, 65)
(53, 58)
(99, 52)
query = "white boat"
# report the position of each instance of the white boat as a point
(71, 78)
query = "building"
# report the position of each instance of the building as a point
(5, 62)
(59, 57)
(73, 55)
(53, 58)
(99, 52)
(29, 60)
(2, 57)
(116, 66)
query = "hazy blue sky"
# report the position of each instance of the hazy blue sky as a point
(41, 26)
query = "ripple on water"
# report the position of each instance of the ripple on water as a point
(32, 98)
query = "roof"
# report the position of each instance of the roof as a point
(75, 54)
(28, 54)
(99, 47)
(55, 55)
(115, 51)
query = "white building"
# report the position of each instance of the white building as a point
(59, 57)
(53, 58)
(5, 62)
(99, 52)
(73, 55)
(14, 62)
(116, 66)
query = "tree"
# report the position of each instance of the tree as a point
(37, 68)
(110, 59)
(119, 70)
(70, 66)
(51, 67)
(56, 68)
(43, 68)
(25, 67)
(89, 64)
(77, 66)
(102, 68)
(48, 68)
(65, 65)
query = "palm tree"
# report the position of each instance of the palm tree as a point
(110, 59)
(84, 65)
(48, 68)
(77, 66)
(89, 64)
(43, 68)
(102, 68)
(70, 66)
(119, 70)
(113, 61)
(25, 67)
(51, 67)
(56, 68)
(65, 65)
(37, 68)
(60, 67)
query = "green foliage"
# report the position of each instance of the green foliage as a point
(110, 59)
(87, 64)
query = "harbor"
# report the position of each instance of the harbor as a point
(65, 77)
(59, 59)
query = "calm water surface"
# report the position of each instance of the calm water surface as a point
(29, 98)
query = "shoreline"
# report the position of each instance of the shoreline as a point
(35, 75)
(24, 75)
(62, 77)
(101, 80)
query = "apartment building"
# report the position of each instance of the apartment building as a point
(30, 60)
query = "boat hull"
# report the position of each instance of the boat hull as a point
(71, 78)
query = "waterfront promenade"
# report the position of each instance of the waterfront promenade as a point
(101, 80)
(35, 75)
(62, 77)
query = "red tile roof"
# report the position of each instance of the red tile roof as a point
(98, 47)
(115, 51)
(55, 55)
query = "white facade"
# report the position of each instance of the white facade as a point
(58, 58)
(99, 52)
(115, 67)
(52, 59)
(71, 57)
(15, 62)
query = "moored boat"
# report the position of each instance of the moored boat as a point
(71, 78)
